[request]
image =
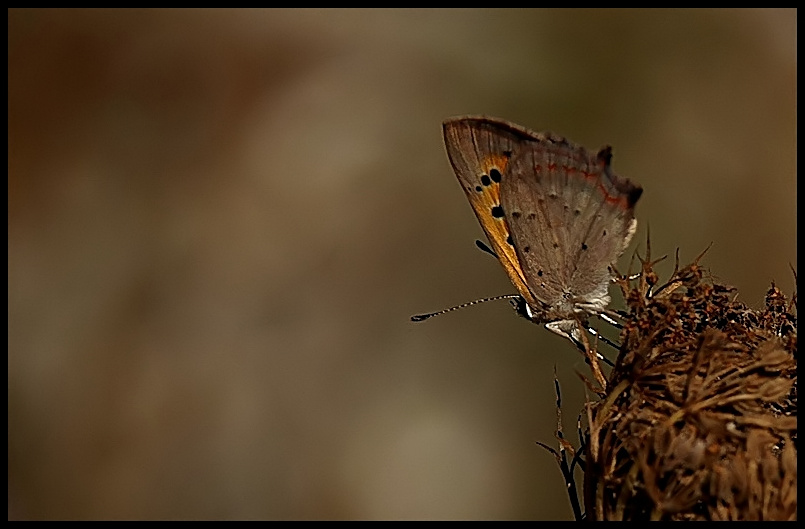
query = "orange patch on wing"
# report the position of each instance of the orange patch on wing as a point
(495, 161)
(496, 228)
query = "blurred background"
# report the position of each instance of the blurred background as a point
(220, 222)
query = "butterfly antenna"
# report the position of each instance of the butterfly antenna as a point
(423, 317)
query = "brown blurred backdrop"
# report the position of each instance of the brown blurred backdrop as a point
(219, 223)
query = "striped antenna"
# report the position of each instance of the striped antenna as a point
(423, 317)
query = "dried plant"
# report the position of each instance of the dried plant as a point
(698, 418)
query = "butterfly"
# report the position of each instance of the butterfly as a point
(555, 214)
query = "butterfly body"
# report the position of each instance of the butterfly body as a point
(555, 214)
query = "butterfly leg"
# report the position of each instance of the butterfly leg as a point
(610, 320)
(604, 314)
(484, 248)
(628, 278)
(604, 339)
(573, 333)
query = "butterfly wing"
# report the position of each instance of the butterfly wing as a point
(480, 150)
(570, 217)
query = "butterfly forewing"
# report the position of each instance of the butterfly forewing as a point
(480, 150)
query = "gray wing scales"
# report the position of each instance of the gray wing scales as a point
(570, 217)
(532, 201)
(476, 143)
(605, 227)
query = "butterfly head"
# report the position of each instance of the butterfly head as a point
(572, 309)
(522, 308)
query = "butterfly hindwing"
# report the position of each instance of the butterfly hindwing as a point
(538, 227)
(570, 218)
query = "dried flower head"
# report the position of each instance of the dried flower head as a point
(698, 418)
